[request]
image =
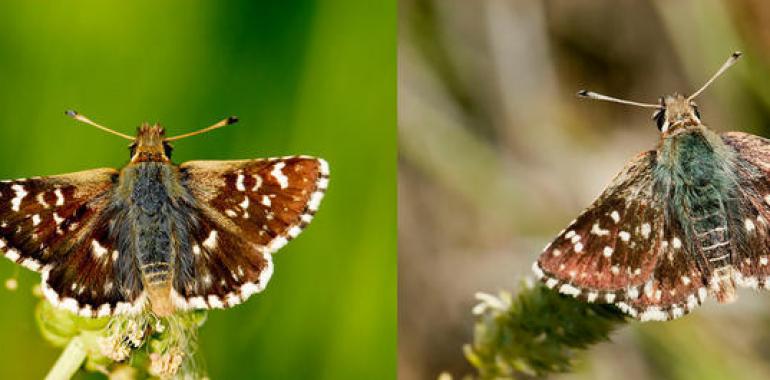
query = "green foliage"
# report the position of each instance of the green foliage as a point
(536, 333)
(151, 346)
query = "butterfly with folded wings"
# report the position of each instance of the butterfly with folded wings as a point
(680, 223)
(158, 236)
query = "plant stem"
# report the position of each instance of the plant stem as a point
(69, 361)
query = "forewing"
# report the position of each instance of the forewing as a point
(612, 248)
(40, 214)
(49, 224)
(248, 210)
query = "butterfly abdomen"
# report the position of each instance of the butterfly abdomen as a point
(700, 195)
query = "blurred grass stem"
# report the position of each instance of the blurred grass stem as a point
(69, 361)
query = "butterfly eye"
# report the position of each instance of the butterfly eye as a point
(167, 148)
(660, 118)
(697, 112)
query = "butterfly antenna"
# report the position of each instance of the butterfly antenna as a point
(220, 124)
(730, 61)
(83, 119)
(595, 96)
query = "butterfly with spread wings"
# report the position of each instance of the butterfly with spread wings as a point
(680, 223)
(155, 235)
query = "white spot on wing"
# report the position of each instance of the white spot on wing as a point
(30, 264)
(646, 229)
(323, 183)
(41, 200)
(257, 182)
(239, 183)
(677, 311)
(35, 219)
(215, 302)
(277, 173)
(59, 197)
(676, 243)
(211, 240)
(653, 313)
(294, 231)
(232, 299)
(20, 193)
(277, 244)
(569, 290)
(615, 216)
(266, 201)
(97, 248)
(749, 225)
(12, 254)
(607, 252)
(103, 311)
(198, 302)
(315, 200)
(598, 231)
(625, 236)
(538, 272)
(323, 166)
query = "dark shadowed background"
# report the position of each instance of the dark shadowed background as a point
(497, 155)
(304, 77)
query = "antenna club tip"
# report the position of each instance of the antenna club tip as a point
(583, 93)
(737, 54)
(232, 120)
(71, 113)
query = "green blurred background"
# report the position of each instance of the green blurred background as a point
(497, 155)
(309, 77)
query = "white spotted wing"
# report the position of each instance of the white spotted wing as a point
(58, 226)
(613, 247)
(751, 228)
(247, 211)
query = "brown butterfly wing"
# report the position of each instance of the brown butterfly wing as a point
(612, 248)
(751, 229)
(50, 224)
(247, 211)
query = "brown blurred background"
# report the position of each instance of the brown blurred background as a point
(497, 155)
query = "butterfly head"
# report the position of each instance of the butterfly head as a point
(150, 144)
(676, 112)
